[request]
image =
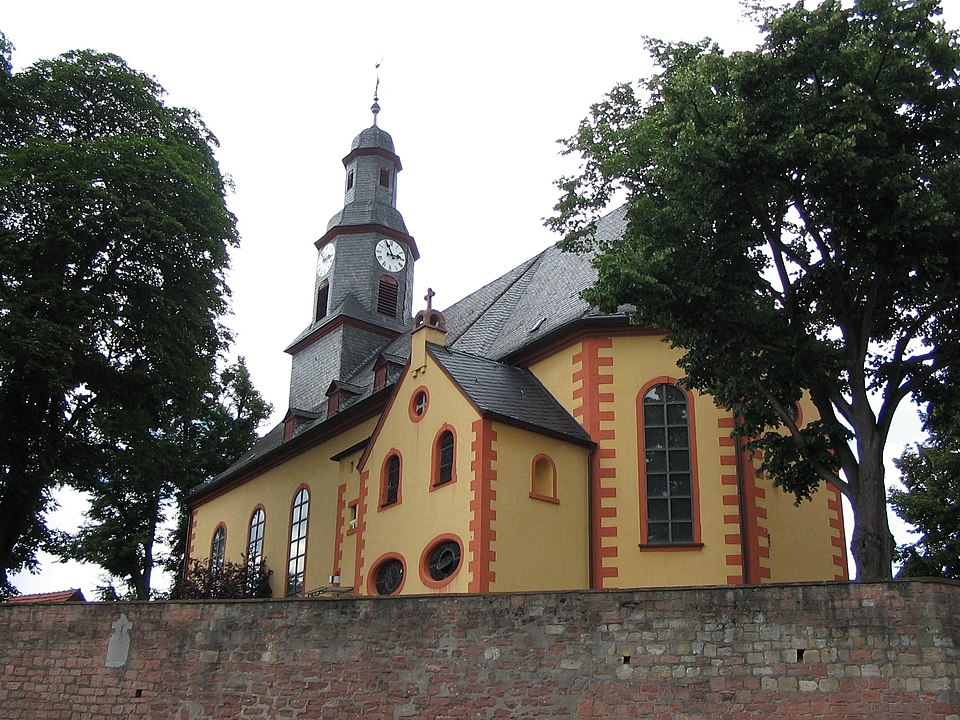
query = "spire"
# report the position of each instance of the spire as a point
(375, 108)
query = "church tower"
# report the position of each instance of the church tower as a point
(364, 281)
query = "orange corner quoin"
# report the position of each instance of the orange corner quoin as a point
(551, 440)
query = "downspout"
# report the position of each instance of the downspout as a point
(591, 558)
(742, 506)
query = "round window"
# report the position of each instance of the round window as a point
(420, 403)
(444, 560)
(389, 577)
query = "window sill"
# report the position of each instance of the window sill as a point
(545, 498)
(670, 547)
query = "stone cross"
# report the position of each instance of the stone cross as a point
(429, 298)
(119, 646)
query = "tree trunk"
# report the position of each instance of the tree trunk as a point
(872, 544)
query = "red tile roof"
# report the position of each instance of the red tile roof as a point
(74, 595)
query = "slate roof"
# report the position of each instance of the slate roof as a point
(509, 393)
(373, 137)
(368, 213)
(513, 313)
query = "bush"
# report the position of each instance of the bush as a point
(231, 580)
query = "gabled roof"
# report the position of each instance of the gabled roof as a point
(508, 393)
(72, 595)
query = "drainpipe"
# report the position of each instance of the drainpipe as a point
(591, 530)
(742, 504)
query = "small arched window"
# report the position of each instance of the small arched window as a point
(543, 481)
(443, 458)
(390, 491)
(217, 550)
(297, 559)
(387, 296)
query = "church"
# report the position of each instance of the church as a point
(519, 440)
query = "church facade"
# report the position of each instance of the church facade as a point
(518, 440)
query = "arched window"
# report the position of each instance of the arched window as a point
(297, 559)
(255, 539)
(218, 549)
(323, 295)
(667, 467)
(390, 481)
(543, 481)
(443, 458)
(387, 296)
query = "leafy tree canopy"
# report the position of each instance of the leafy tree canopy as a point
(114, 238)
(792, 227)
(150, 465)
(930, 472)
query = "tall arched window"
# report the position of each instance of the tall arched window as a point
(387, 296)
(443, 458)
(297, 559)
(218, 549)
(255, 539)
(390, 481)
(667, 468)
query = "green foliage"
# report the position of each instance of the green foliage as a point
(114, 238)
(792, 227)
(930, 472)
(149, 468)
(233, 580)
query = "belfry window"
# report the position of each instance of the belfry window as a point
(323, 296)
(350, 180)
(385, 177)
(667, 466)
(387, 296)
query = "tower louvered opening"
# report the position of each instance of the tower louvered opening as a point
(387, 296)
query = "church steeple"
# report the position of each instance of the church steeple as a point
(364, 283)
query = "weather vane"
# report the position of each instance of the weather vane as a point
(375, 108)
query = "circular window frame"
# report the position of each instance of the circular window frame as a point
(382, 561)
(431, 547)
(414, 402)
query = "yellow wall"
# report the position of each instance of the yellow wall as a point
(275, 490)
(534, 544)
(423, 514)
(539, 544)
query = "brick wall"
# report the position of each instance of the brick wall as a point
(886, 650)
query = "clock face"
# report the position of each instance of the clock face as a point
(325, 259)
(390, 255)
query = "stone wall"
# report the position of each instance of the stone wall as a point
(887, 650)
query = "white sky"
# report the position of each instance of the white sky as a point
(475, 98)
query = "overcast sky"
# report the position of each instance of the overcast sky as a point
(475, 97)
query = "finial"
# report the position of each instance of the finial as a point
(375, 108)
(429, 298)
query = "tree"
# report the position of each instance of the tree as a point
(930, 472)
(114, 238)
(147, 470)
(792, 227)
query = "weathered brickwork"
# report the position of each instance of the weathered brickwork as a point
(887, 650)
